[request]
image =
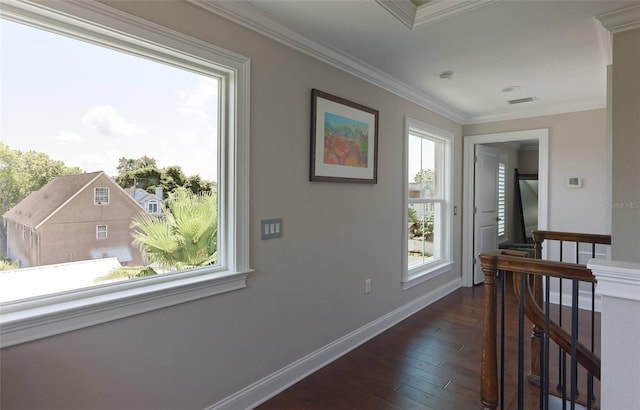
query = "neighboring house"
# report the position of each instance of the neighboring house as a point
(73, 218)
(151, 203)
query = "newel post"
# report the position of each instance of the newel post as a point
(489, 363)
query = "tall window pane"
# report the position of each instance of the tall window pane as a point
(85, 125)
(427, 201)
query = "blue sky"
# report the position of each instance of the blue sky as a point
(88, 105)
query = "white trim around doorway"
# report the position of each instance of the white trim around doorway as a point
(542, 136)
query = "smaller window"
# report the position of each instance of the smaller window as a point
(502, 198)
(428, 202)
(101, 196)
(101, 232)
(153, 207)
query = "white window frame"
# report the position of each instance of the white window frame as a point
(101, 231)
(423, 272)
(153, 204)
(40, 317)
(502, 199)
(99, 193)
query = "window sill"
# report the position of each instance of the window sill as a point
(431, 272)
(33, 319)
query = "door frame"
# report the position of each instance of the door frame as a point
(470, 142)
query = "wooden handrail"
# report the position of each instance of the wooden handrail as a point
(493, 262)
(540, 236)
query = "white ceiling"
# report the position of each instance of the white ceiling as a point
(556, 50)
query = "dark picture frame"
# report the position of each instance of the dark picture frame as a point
(344, 140)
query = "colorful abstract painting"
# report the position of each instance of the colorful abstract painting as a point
(346, 141)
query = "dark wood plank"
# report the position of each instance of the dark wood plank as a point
(431, 360)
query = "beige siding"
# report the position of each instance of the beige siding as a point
(70, 234)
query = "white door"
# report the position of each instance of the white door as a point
(485, 237)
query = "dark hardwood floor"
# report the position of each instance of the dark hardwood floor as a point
(431, 360)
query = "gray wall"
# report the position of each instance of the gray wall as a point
(308, 287)
(625, 204)
(577, 147)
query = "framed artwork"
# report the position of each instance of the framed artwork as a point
(344, 140)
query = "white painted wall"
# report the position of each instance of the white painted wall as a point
(577, 147)
(308, 287)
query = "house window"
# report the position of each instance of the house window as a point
(153, 207)
(101, 196)
(427, 198)
(502, 199)
(204, 86)
(101, 232)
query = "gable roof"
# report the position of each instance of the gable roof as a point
(39, 205)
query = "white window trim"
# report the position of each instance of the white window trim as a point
(40, 317)
(95, 196)
(412, 277)
(98, 232)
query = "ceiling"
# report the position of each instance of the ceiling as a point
(554, 51)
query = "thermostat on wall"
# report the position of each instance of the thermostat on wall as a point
(574, 182)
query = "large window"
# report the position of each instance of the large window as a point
(428, 190)
(119, 111)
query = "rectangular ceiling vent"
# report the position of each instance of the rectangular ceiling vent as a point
(522, 100)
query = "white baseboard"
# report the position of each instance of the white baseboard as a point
(264, 389)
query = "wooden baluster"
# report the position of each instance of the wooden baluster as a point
(489, 363)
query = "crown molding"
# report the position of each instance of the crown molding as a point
(626, 18)
(405, 11)
(436, 10)
(537, 112)
(251, 17)
(430, 12)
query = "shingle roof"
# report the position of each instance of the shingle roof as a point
(39, 205)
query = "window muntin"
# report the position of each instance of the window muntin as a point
(101, 196)
(25, 320)
(428, 200)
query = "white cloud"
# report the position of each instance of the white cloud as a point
(66, 137)
(108, 121)
(201, 102)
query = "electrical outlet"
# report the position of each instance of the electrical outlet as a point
(367, 286)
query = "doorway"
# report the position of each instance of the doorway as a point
(468, 228)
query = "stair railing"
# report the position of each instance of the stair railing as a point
(564, 247)
(525, 273)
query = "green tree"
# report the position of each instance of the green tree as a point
(129, 164)
(144, 173)
(22, 173)
(424, 175)
(185, 236)
(198, 185)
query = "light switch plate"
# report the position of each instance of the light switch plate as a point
(271, 228)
